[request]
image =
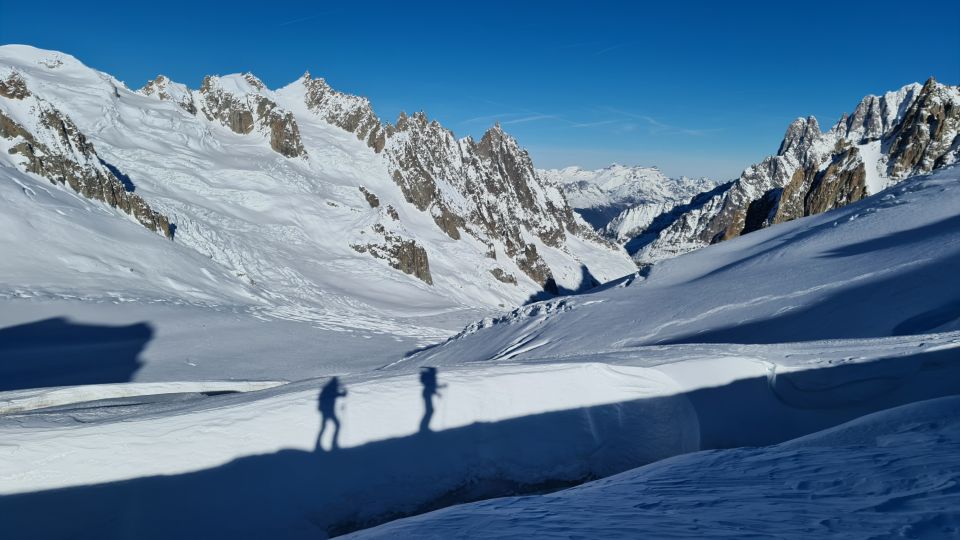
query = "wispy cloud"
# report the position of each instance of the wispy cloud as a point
(299, 20)
(593, 124)
(611, 48)
(530, 118)
(617, 120)
(508, 118)
(656, 126)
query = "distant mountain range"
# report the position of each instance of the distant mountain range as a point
(621, 201)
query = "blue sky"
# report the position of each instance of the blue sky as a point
(694, 88)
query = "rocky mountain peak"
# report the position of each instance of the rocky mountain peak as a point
(351, 113)
(254, 81)
(800, 137)
(162, 87)
(237, 103)
(887, 138)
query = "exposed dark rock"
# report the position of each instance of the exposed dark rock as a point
(533, 266)
(243, 113)
(69, 158)
(919, 143)
(14, 87)
(372, 199)
(448, 222)
(503, 276)
(760, 211)
(352, 113)
(167, 90)
(404, 255)
(841, 183)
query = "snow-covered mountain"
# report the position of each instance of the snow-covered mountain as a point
(620, 201)
(906, 132)
(297, 201)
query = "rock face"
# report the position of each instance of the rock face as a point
(242, 108)
(239, 102)
(352, 113)
(163, 88)
(486, 189)
(402, 254)
(887, 138)
(54, 148)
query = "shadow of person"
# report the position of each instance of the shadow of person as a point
(428, 378)
(327, 403)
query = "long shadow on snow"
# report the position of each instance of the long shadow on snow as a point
(923, 299)
(294, 493)
(58, 352)
(551, 290)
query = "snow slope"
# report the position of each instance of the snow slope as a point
(881, 267)
(891, 474)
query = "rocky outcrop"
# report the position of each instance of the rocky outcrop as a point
(841, 183)
(351, 113)
(503, 276)
(56, 149)
(372, 199)
(245, 110)
(163, 88)
(405, 255)
(14, 87)
(886, 139)
(237, 103)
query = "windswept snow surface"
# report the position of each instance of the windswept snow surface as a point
(883, 266)
(892, 474)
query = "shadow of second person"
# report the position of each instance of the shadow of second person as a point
(428, 378)
(327, 403)
(60, 352)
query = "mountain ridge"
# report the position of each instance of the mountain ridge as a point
(292, 190)
(887, 138)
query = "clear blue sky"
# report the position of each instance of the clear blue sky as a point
(695, 88)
